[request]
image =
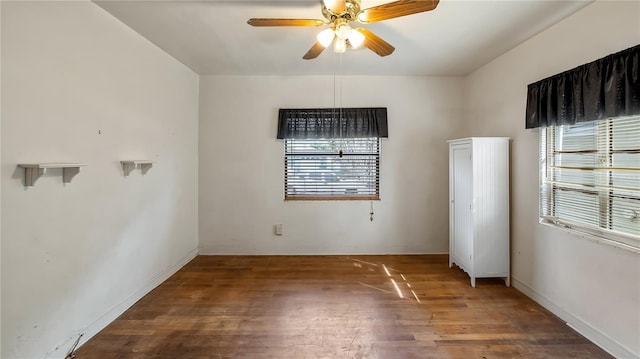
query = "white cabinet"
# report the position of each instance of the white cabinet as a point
(479, 206)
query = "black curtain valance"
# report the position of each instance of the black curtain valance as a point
(333, 123)
(605, 88)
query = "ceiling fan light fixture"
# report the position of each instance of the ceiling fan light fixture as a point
(341, 14)
(325, 37)
(340, 46)
(355, 39)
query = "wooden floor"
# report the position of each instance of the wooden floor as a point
(334, 307)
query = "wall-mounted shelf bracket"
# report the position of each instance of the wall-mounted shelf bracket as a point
(33, 171)
(128, 166)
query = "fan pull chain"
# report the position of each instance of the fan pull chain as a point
(334, 85)
(335, 96)
(343, 142)
(371, 213)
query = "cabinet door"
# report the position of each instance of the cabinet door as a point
(461, 202)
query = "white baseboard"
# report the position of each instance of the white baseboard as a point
(208, 252)
(600, 339)
(100, 323)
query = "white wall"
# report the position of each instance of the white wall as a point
(79, 86)
(0, 188)
(241, 167)
(595, 287)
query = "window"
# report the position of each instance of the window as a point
(590, 178)
(332, 168)
(332, 153)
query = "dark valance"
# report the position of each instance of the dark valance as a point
(333, 123)
(605, 88)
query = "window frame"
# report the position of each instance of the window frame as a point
(597, 234)
(375, 157)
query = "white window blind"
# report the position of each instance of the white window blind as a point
(590, 178)
(332, 168)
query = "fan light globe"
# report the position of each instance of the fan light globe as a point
(355, 39)
(343, 30)
(325, 37)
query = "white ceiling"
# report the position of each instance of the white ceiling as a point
(213, 37)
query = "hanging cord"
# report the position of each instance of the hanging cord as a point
(72, 352)
(343, 142)
(340, 84)
(371, 213)
(334, 86)
(335, 95)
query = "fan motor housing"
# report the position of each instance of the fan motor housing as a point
(352, 9)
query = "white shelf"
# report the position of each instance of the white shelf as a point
(128, 166)
(33, 171)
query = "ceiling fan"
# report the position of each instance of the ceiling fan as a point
(339, 14)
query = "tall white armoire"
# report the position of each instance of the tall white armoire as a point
(479, 206)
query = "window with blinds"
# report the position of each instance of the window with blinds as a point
(590, 178)
(332, 169)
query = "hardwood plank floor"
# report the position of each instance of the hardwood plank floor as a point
(397, 306)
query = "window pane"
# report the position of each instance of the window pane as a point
(332, 168)
(625, 213)
(577, 137)
(626, 133)
(567, 201)
(629, 174)
(576, 168)
(590, 176)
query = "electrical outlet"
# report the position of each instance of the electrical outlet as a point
(278, 229)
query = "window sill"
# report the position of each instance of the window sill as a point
(590, 235)
(310, 198)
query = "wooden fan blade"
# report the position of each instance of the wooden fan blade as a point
(374, 43)
(336, 6)
(396, 9)
(285, 22)
(314, 51)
